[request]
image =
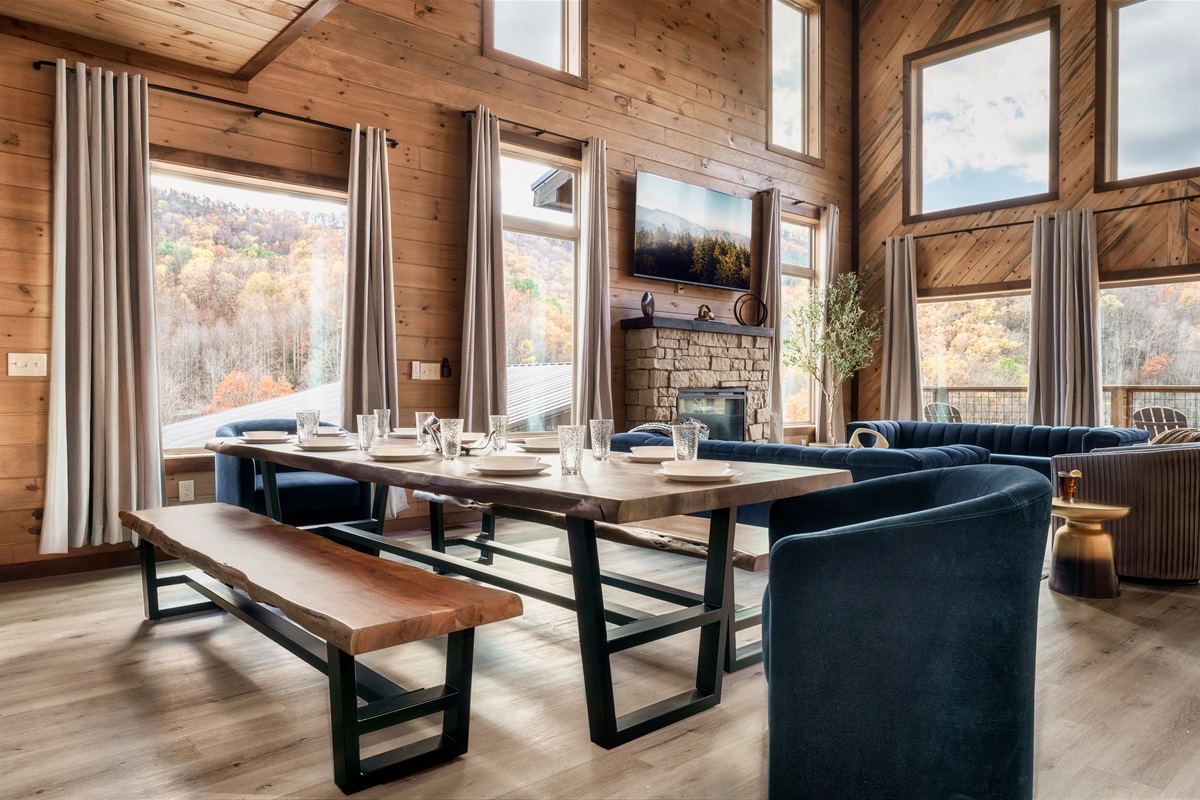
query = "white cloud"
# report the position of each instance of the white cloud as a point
(988, 111)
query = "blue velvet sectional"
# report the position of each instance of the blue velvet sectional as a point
(1022, 445)
(863, 464)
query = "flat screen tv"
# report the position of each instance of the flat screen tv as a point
(686, 234)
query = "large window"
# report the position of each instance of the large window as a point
(249, 283)
(794, 84)
(1148, 74)
(545, 36)
(1150, 335)
(796, 253)
(541, 240)
(982, 120)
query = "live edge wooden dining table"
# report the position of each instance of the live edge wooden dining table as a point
(615, 491)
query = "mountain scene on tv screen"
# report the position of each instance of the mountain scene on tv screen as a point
(671, 247)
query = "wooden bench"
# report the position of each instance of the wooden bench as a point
(335, 604)
(684, 535)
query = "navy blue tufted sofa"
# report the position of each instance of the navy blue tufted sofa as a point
(863, 464)
(1022, 445)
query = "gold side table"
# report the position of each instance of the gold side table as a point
(1082, 564)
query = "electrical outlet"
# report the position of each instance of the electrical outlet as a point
(431, 371)
(26, 365)
(416, 370)
(187, 491)
(679, 288)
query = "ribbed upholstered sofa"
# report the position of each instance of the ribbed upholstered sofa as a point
(863, 464)
(1023, 445)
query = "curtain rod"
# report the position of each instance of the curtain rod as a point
(796, 202)
(1030, 222)
(536, 130)
(258, 110)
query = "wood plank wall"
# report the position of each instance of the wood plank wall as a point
(677, 87)
(1158, 236)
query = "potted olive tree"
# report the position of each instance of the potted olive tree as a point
(831, 324)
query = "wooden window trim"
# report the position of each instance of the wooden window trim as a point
(965, 45)
(572, 49)
(805, 428)
(815, 84)
(1106, 109)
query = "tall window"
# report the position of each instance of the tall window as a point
(545, 36)
(796, 253)
(794, 85)
(249, 284)
(1150, 335)
(541, 241)
(981, 128)
(1148, 75)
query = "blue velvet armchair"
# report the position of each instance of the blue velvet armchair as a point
(307, 498)
(900, 631)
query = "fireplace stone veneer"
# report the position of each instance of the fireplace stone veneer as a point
(663, 356)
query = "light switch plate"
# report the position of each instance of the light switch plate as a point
(416, 370)
(431, 371)
(27, 365)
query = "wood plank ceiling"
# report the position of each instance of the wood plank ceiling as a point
(229, 39)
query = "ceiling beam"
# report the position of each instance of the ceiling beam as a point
(87, 46)
(295, 29)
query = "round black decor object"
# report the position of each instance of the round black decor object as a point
(648, 305)
(749, 309)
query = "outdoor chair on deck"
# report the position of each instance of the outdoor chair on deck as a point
(899, 635)
(306, 498)
(1157, 419)
(942, 412)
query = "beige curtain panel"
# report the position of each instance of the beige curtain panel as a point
(827, 272)
(104, 447)
(369, 379)
(1064, 334)
(483, 386)
(593, 367)
(772, 296)
(900, 387)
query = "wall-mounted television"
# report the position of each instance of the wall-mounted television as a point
(686, 234)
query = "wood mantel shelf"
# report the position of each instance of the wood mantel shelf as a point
(678, 323)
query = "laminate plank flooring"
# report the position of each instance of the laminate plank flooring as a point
(96, 702)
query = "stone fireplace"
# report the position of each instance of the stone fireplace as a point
(664, 355)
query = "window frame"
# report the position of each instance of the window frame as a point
(814, 89)
(1107, 111)
(798, 427)
(574, 44)
(1047, 19)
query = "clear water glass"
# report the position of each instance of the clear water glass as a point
(499, 428)
(570, 447)
(307, 422)
(686, 439)
(368, 425)
(452, 431)
(422, 434)
(602, 431)
(383, 417)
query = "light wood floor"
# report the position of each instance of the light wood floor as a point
(95, 702)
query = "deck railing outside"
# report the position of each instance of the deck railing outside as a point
(1009, 403)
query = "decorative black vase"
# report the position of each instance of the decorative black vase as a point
(648, 305)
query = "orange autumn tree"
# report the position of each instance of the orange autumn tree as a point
(238, 389)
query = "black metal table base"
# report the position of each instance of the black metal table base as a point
(386, 704)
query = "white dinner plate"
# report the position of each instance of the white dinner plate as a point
(649, 459)
(534, 446)
(512, 473)
(409, 457)
(332, 445)
(330, 432)
(260, 440)
(403, 433)
(727, 475)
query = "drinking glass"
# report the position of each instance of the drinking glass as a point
(499, 428)
(367, 429)
(452, 431)
(422, 434)
(307, 422)
(384, 418)
(570, 447)
(602, 431)
(1068, 483)
(686, 439)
